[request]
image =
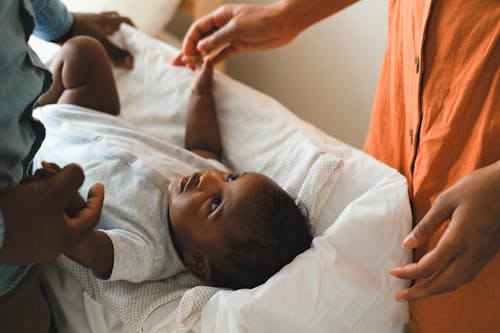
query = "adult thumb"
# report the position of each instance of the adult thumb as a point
(89, 216)
(440, 212)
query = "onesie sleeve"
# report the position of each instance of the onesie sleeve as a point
(134, 257)
(2, 229)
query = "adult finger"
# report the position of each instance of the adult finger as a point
(111, 21)
(112, 13)
(430, 264)
(240, 46)
(66, 182)
(184, 60)
(118, 56)
(178, 60)
(45, 172)
(222, 37)
(192, 62)
(440, 212)
(204, 27)
(89, 216)
(29, 179)
(460, 271)
(225, 54)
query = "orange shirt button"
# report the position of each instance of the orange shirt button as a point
(410, 134)
(417, 64)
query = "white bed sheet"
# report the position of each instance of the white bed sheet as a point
(340, 285)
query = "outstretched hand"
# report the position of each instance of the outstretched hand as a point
(235, 28)
(37, 229)
(99, 26)
(471, 239)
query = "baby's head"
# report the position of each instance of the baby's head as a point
(235, 231)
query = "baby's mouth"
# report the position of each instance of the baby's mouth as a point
(184, 181)
(190, 183)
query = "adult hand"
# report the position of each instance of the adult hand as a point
(36, 227)
(76, 201)
(471, 239)
(99, 26)
(236, 28)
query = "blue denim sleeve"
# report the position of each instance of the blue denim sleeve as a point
(2, 229)
(52, 19)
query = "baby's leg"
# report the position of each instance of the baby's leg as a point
(82, 76)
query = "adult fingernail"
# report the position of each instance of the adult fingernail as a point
(402, 296)
(203, 47)
(410, 241)
(393, 270)
(128, 61)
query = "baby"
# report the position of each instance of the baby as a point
(230, 230)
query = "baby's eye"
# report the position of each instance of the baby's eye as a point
(231, 178)
(215, 203)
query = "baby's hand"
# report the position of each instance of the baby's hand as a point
(48, 170)
(203, 75)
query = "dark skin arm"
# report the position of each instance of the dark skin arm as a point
(95, 249)
(37, 225)
(202, 131)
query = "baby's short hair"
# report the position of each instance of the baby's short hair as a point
(273, 232)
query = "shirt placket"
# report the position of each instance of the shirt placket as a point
(415, 132)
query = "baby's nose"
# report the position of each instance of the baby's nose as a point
(208, 178)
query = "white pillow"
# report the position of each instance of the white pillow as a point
(149, 16)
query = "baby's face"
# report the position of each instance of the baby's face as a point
(206, 206)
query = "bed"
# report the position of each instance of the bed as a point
(358, 206)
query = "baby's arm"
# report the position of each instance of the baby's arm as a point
(94, 250)
(202, 131)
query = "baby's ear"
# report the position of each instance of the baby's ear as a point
(198, 263)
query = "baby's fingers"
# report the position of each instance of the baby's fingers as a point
(202, 82)
(206, 72)
(45, 173)
(52, 166)
(208, 66)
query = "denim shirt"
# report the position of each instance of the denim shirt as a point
(23, 80)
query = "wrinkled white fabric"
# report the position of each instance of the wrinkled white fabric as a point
(340, 284)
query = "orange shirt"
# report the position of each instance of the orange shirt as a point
(436, 118)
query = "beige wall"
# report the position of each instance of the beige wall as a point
(328, 75)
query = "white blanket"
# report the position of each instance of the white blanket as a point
(339, 285)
